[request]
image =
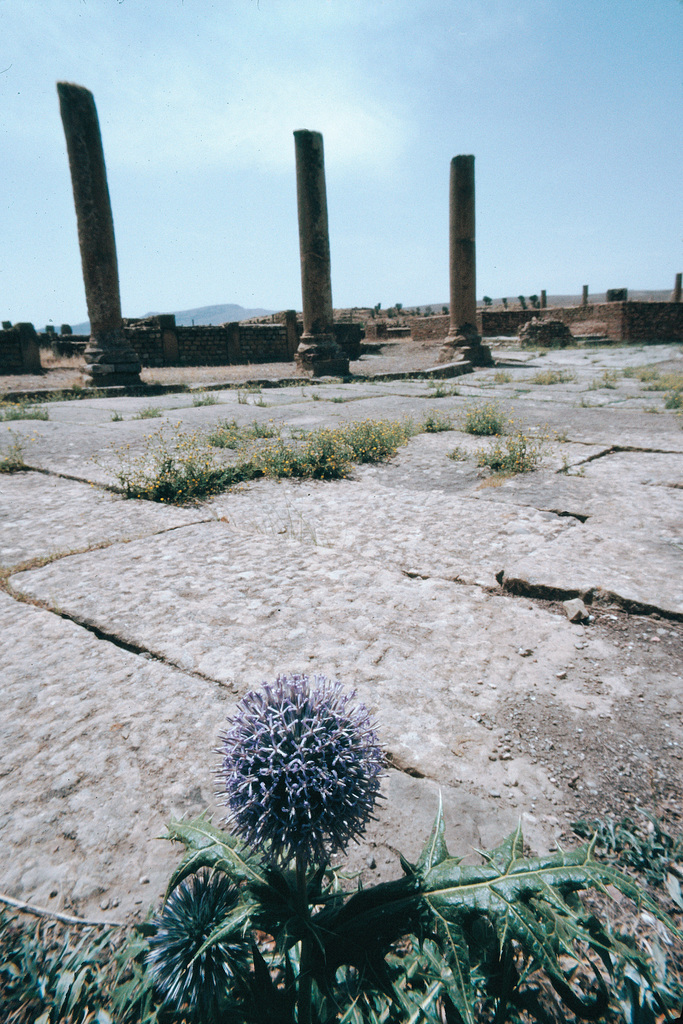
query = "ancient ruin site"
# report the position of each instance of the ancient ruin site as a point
(186, 512)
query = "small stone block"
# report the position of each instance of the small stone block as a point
(576, 610)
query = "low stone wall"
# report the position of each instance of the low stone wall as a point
(618, 321)
(428, 328)
(653, 321)
(19, 350)
(494, 323)
(624, 321)
(598, 318)
(158, 341)
(262, 343)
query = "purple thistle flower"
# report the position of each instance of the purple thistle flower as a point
(301, 769)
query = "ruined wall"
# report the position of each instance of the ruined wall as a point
(493, 323)
(653, 321)
(428, 328)
(262, 343)
(158, 341)
(624, 321)
(619, 321)
(597, 318)
(19, 350)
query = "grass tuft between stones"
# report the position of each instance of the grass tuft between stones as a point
(182, 467)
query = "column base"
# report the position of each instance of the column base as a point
(465, 347)
(110, 361)
(320, 356)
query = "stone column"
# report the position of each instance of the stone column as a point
(463, 341)
(318, 352)
(584, 296)
(109, 358)
(544, 299)
(676, 294)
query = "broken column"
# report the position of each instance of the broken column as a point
(676, 294)
(463, 341)
(109, 358)
(318, 352)
(584, 295)
(544, 299)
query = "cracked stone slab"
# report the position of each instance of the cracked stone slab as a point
(626, 471)
(595, 559)
(630, 546)
(422, 533)
(100, 747)
(241, 608)
(636, 486)
(42, 515)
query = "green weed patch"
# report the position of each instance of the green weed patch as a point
(436, 422)
(12, 456)
(547, 377)
(485, 419)
(149, 412)
(204, 398)
(517, 453)
(22, 411)
(184, 468)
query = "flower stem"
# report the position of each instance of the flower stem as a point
(304, 994)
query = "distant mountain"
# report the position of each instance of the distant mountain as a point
(202, 315)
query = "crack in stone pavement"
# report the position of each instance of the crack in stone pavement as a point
(616, 449)
(592, 595)
(563, 512)
(113, 638)
(7, 571)
(517, 587)
(112, 488)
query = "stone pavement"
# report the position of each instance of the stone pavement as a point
(130, 628)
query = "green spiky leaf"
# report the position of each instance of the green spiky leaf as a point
(210, 847)
(435, 850)
(530, 902)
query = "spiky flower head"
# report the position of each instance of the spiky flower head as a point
(193, 910)
(301, 769)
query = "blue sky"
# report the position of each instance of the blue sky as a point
(572, 109)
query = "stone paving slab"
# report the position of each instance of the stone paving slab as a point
(42, 515)
(241, 608)
(429, 534)
(526, 529)
(100, 747)
(597, 560)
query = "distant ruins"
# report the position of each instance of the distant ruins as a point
(117, 348)
(616, 321)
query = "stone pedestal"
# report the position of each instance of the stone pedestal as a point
(110, 360)
(318, 352)
(463, 341)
